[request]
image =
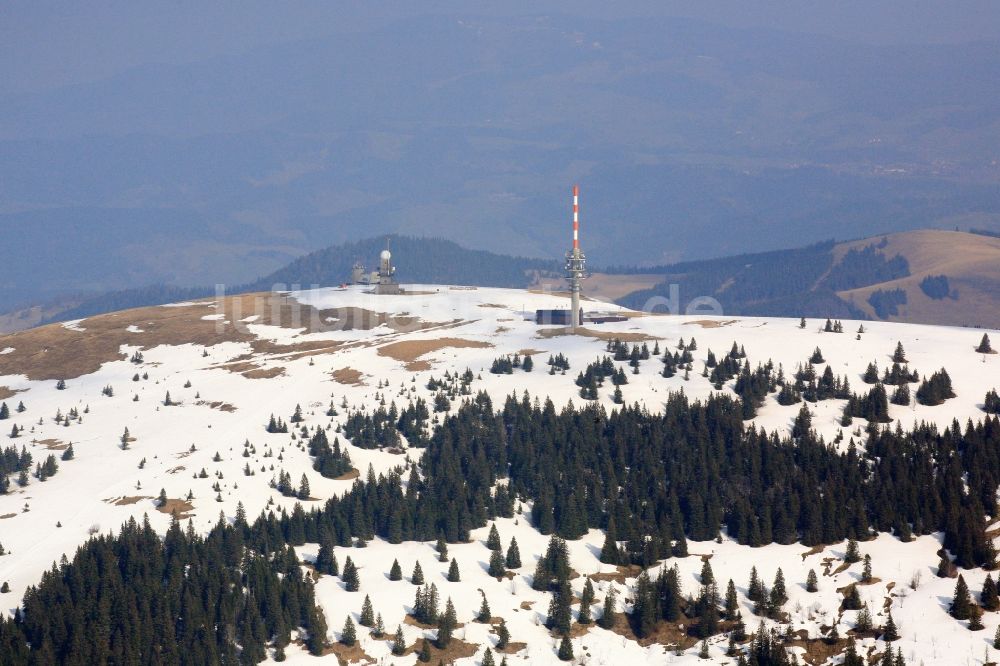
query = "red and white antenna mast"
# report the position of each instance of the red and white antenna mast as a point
(575, 264)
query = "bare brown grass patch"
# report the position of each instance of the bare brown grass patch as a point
(348, 376)
(590, 333)
(51, 444)
(181, 508)
(409, 352)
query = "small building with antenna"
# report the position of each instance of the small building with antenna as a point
(382, 279)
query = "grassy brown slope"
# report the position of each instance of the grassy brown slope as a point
(970, 261)
(57, 352)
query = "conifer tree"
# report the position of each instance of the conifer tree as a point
(609, 617)
(586, 599)
(778, 594)
(367, 618)
(890, 632)
(975, 618)
(446, 625)
(326, 560)
(503, 635)
(378, 631)
(899, 356)
(707, 577)
(513, 560)
(399, 642)
(442, 549)
(984, 345)
(488, 657)
(609, 552)
(484, 612)
(497, 568)
(811, 582)
(565, 649)
(852, 554)
(990, 599)
(352, 582)
(395, 572)
(493, 540)
(425, 651)
(349, 634)
(961, 604)
(864, 621)
(732, 602)
(755, 589)
(866, 570)
(417, 578)
(454, 576)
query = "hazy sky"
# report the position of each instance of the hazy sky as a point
(45, 44)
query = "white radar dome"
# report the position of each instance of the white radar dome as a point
(385, 255)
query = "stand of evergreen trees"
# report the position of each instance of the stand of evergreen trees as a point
(137, 598)
(652, 481)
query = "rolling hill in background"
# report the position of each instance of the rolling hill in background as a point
(929, 276)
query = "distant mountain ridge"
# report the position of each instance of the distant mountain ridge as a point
(930, 276)
(418, 260)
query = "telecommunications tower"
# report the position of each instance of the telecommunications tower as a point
(575, 262)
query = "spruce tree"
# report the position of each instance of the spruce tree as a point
(417, 578)
(864, 621)
(811, 582)
(497, 568)
(513, 560)
(890, 632)
(367, 618)
(778, 594)
(352, 582)
(425, 651)
(454, 576)
(503, 635)
(349, 634)
(484, 614)
(990, 599)
(866, 570)
(488, 657)
(961, 604)
(395, 572)
(707, 577)
(586, 599)
(609, 552)
(378, 631)
(610, 614)
(975, 618)
(732, 602)
(442, 549)
(399, 642)
(984, 345)
(899, 356)
(446, 625)
(493, 540)
(852, 554)
(565, 649)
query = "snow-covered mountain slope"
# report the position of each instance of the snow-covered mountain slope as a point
(228, 364)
